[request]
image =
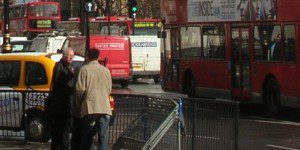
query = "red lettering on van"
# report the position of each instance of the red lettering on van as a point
(110, 46)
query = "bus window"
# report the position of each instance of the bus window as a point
(23, 11)
(267, 42)
(214, 42)
(190, 41)
(289, 43)
(43, 10)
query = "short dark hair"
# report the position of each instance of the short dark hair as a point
(93, 54)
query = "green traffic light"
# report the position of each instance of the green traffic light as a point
(134, 9)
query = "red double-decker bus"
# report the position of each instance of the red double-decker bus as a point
(119, 26)
(246, 50)
(31, 18)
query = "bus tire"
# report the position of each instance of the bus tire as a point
(37, 127)
(191, 87)
(272, 97)
(124, 83)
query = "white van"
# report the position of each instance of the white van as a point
(145, 51)
(48, 44)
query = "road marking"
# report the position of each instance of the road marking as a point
(259, 119)
(281, 147)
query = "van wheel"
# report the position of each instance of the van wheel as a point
(272, 97)
(37, 128)
(125, 83)
(156, 79)
(191, 88)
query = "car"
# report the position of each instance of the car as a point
(20, 73)
(12, 39)
(20, 46)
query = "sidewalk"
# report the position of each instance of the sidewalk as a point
(20, 145)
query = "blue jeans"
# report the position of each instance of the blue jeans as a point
(93, 124)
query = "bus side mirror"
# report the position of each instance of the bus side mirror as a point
(162, 34)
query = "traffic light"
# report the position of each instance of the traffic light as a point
(132, 8)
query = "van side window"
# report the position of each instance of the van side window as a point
(35, 74)
(9, 73)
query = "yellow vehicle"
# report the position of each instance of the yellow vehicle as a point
(27, 72)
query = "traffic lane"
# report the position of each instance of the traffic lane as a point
(145, 87)
(262, 133)
(265, 131)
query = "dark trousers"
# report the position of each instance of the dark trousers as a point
(60, 131)
(76, 133)
(93, 124)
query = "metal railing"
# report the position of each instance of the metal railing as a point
(140, 122)
(210, 124)
(150, 119)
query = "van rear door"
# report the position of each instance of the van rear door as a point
(116, 52)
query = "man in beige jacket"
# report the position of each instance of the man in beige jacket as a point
(93, 87)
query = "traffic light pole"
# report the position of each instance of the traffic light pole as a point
(133, 21)
(108, 15)
(6, 46)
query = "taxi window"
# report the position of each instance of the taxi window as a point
(9, 73)
(35, 74)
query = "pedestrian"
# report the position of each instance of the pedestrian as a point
(274, 53)
(76, 119)
(61, 92)
(93, 86)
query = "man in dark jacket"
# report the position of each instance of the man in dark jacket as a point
(62, 90)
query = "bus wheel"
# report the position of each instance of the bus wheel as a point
(37, 128)
(125, 83)
(156, 79)
(191, 88)
(272, 97)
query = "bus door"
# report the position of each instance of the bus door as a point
(171, 60)
(240, 63)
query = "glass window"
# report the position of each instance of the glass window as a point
(23, 11)
(45, 10)
(168, 44)
(267, 42)
(190, 41)
(9, 73)
(14, 13)
(35, 74)
(289, 43)
(214, 42)
(70, 26)
(116, 28)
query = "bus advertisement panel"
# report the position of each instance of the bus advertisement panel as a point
(29, 19)
(243, 50)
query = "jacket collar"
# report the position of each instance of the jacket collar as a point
(94, 62)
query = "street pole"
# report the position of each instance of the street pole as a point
(133, 22)
(6, 46)
(87, 25)
(82, 13)
(108, 15)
